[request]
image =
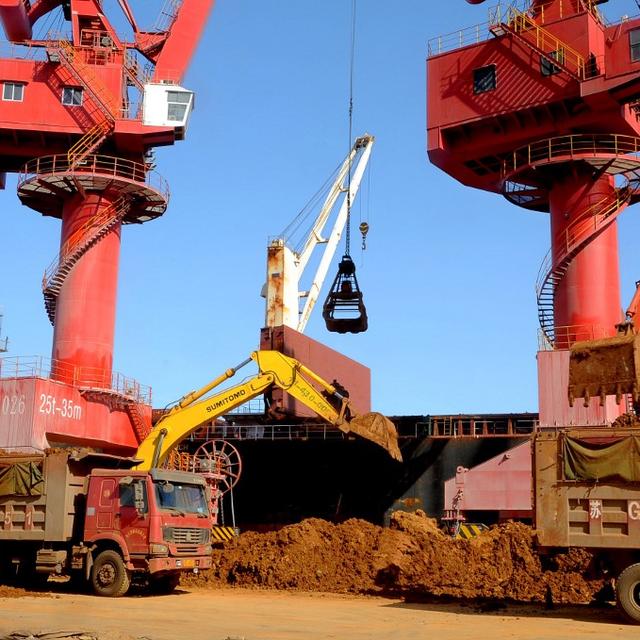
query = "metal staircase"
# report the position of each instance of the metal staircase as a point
(75, 247)
(106, 108)
(116, 400)
(140, 425)
(577, 236)
(557, 53)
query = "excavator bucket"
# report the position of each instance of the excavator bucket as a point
(606, 367)
(377, 428)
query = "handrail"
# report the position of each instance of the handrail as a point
(570, 146)
(497, 14)
(14, 367)
(574, 238)
(521, 23)
(94, 164)
(582, 228)
(570, 334)
(95, 223)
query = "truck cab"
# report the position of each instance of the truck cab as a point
(77, 512)
(158, 522)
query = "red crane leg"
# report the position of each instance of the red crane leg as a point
(85, 313)
(588, 296)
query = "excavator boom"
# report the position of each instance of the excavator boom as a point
(274, 368)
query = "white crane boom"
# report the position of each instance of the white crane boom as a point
(285, 267)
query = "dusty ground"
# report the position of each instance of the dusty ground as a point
(267, 615)
(410, 558)
(275, 586)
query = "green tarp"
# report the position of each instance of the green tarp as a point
(610, 461)
(21, 479)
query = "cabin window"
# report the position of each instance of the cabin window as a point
(547, 68)
(177, 101)
(72, 96)
(634, 43)
(484, 79)
(13, 91)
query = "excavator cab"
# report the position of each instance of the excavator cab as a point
(343, 310)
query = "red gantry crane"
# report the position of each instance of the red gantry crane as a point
(80, 114)
(542, 104)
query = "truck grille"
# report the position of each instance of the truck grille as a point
(186, 550)
(186, 535)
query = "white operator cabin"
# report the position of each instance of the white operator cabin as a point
(167, 105)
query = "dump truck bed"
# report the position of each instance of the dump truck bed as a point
(587, 487)
(39, 497)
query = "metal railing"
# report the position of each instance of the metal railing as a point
(95, 164)
(477, 427)
(14, 367)
(523, 24)
(577, 146)
(498, 14)
(84, 234)
(566, 247)
(570, 334)
(431, 426)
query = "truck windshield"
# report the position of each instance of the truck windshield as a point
(181, 498)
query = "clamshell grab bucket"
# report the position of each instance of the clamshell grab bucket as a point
(343, 310)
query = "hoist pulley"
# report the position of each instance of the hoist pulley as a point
(343, 310)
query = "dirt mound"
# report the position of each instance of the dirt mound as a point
(410, 558)
(626, 420)
(15, 592)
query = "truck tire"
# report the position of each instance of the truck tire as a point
(164, 584)
(628, 593)
(109, 575)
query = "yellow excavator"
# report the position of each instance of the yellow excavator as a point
(274, 368)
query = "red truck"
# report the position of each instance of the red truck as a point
(85, 514)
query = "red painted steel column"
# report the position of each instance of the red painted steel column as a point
(85, 313)
(588, 296)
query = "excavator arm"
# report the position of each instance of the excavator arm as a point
(274, 368)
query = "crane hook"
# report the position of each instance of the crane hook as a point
(364, 229)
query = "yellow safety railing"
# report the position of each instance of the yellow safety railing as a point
(546, 13)
(89, 141)
(577, 145)
(567, 57)
(85, 74)
(554, 9)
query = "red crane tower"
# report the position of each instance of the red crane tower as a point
(541, 104)
(79, 116)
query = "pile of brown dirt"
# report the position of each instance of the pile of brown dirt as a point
(15, 592)
(410, 558)
(626, 420)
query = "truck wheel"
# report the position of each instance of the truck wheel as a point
(628, 593)
(109, 576)
(164, 584)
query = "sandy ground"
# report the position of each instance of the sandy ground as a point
(236, 614)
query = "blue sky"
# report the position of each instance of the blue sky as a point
(449, 272)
